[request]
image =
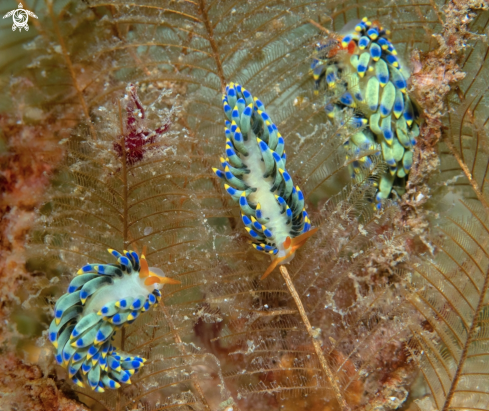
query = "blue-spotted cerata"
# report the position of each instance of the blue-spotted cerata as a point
(361, 70)
(100, 300)
(255, 176)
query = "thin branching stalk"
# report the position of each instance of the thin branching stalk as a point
(314, 338)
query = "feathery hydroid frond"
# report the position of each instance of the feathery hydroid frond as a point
(452, 284)
(107, 196)
(353, 279)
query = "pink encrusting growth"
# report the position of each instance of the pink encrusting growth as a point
(138, 138)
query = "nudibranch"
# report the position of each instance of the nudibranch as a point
(100, 300)
(361, 70)
(255, 176)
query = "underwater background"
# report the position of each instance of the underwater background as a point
(113, 125)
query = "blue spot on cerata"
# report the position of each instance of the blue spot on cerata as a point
(329, 108)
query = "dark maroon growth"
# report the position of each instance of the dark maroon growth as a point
(139, 138)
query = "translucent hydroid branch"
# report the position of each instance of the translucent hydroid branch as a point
(272, 209)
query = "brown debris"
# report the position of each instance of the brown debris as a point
(434, 75)
(23, 180)
(24, 387)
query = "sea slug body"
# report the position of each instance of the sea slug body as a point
(361, 71)
(255, 176)
(100, 300)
